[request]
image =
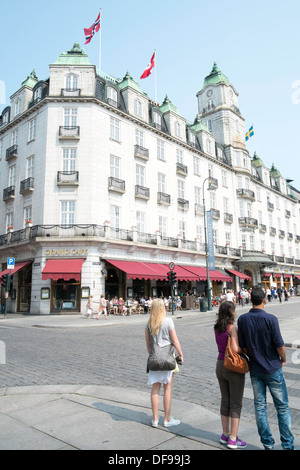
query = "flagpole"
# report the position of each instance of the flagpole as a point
(100, 42)
(155, 81)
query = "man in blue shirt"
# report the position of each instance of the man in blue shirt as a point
(261, 340)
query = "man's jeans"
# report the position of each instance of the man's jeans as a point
(276, 384)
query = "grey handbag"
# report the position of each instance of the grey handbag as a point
(161, 358)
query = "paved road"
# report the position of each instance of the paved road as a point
(116, 356)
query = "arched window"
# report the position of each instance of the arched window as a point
(112, 96)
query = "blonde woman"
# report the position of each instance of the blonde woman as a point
(162, 329)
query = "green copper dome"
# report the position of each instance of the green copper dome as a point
(274, 172)
(168, 106)
(215, 76)
(76, 56)
(128, 81)
(31, 80)
(256, 160)
(199, 125)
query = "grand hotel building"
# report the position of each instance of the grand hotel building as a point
(102, 188)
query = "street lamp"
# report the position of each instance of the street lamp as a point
(209, 303)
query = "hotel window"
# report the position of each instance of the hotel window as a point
(208, 146)
(115, 216)
(17, 107)
(112, 95)
(29, 167)
(70, 117)
(139, 138)
(31, 129)
(196, 161)
(138, 108)
(72, 82)
(115, 129)
(252, 242)
(157, 120)
(141, 221)
(37, 94)
(224, 178)
(228, 238)
(226, 204)
(212, 200)
(215, 236)
(9, 220)
(179, 156)
(262, 244)
(199, 233)
(27, 215)
(12, 175)
(161, 183)
(192, 139)
(182, 228)
(14, 137)
(244, 244)
(162, 225)
(69, 159)
(114, 165)
(197, 195)
(177, 129)
(180, 189)
(140, 175)
(67, 212)
(209, 125)
(241, 204)
(160, 150)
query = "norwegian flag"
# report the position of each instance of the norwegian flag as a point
(149, 67)
(89, 32)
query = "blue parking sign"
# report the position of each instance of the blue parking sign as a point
(10, 263)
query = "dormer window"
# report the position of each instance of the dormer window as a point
(18, 107)
(71, 82)
(157, 120)
(112, 96)
(177, 129)
(138, 108)
(5, 118)
(37, 94)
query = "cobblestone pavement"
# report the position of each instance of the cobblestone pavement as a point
(116, 355)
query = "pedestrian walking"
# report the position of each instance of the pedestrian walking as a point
(102, 307)
(231, 383)
(279, 293)
(260, 338)
(162, 330)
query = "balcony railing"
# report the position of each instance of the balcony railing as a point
(163, 198)
(281, 233)
(215, 213)
(246, 193)
(26, 186)
(199, 209)
(115, 184)
(228, 218)
(272, 231)
(248, 222)
(181, 169)
(9, 193)
(11, 152)
(270, 206)
(67, 177)
(69, 132)
(183, 204)
(142, 192)
(141, 152)
(70, 92)
(262, 228)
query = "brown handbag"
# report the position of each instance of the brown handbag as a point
(234, 361)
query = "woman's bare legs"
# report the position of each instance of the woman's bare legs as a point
(168, 399)
(155, 400)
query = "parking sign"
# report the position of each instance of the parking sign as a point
(10, 263)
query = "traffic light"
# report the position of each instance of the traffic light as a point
(6, 282)
(171, 277)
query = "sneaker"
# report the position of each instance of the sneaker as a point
(172, 422)
(154, 424)
(224, 439)
(236, 443)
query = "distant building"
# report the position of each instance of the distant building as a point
(102, 188)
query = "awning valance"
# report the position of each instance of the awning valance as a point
(17, 268)
(62, 269)
(238, 274)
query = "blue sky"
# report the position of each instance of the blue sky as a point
(256, 44)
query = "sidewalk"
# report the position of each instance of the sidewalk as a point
(108, 418)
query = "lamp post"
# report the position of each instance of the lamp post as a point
(209, 303)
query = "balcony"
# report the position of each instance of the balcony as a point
(163, 198)
(290, 236)
(183, 204)
(199, 209)
(11, 152)
(141, 152)
(272, 231)
(288, 214)
(228, 218)
(215, 214)
(68, 178)
(114, 184)
(69, 132)
(246, 193)
(270, 206)
(297, 238)
(70, 92)
(262, 228)
(181, 169)
(281, 233)
(248, 222)
(9, 193)
(142, 192)
(27, 186)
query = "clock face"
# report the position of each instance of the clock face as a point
(209, 93)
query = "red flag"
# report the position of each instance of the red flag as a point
(149, 67)
(89, 32)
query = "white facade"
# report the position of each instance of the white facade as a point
(102, 172)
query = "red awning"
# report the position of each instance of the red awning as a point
(217, 276)
(138, 270)
(266, 274)
(238, 274)
(17, 267)
(62, 269)
(287, 276)
(297, 277)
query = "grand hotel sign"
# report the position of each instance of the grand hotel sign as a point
(66, 252)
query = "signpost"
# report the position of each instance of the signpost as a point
(6, 281)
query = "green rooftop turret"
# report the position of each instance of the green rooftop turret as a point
(76, 56)
(215, 76)
(167, 105)
(256, 160)
(129, 82)
(274, 172)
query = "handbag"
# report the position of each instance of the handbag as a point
(234, 361)
(161, 357)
